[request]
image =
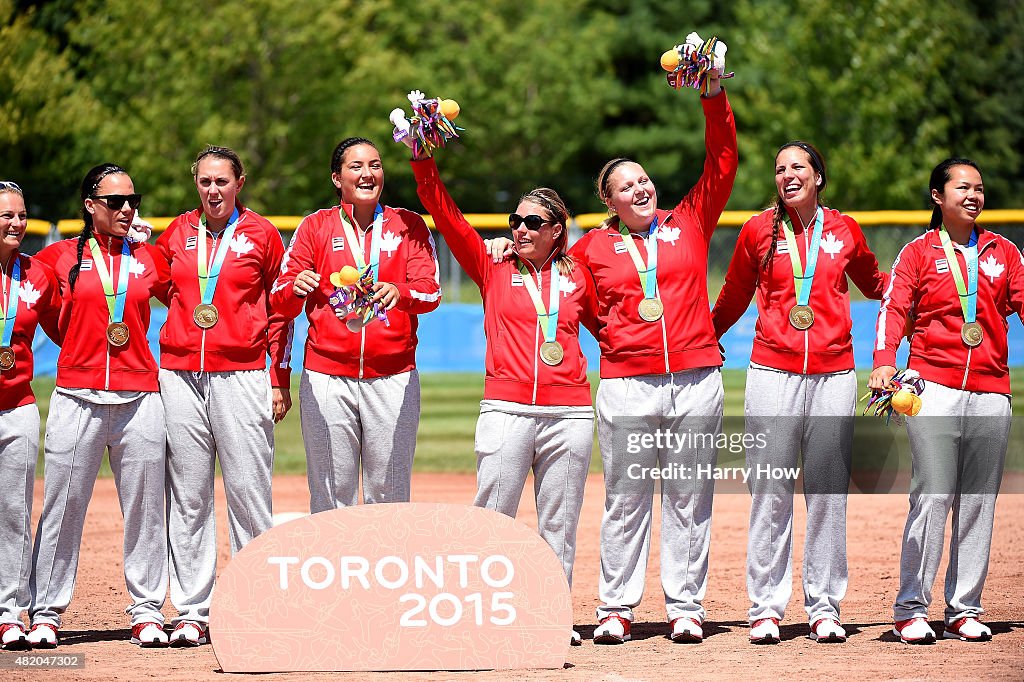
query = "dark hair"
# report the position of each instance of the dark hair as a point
(779, 206)
(550, 201)
(225, 153)
(339, 154)
(940, 176)
(602, 187)
(90, 183)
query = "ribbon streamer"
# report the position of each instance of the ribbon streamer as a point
(430, 127)
(880, 403)
(688, 64)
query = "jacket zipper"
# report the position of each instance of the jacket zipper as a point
(202, 341)
(967, 368)
(536, 341)
(106, 373)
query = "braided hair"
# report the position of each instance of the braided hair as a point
(90, 184)
(779, 206)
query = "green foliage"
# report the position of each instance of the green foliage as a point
(550, 89)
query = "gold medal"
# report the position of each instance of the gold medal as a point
(205, 315)
(6, 358)
(117, 333)
(651, 309)
(551, 353)
(972, 334)
(801, 317)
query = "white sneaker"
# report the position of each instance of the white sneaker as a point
(612, 630)
(575, 639)
(827, 631)
(149, 634)
(685, 629)
(188, 633)
(12, 637)
(43, 636)
(764, 631)
(968, 630)
(914, 631)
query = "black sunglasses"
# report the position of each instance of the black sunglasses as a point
(115, 202)
(533, 222)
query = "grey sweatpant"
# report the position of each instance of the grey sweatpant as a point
(351, 423)
(226, 415)
(77, 433)
(958, 446)
(555, 442)
(19, 449)
(681, 402)
(812, 415)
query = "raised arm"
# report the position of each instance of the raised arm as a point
(706, 201)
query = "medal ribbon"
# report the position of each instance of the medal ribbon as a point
(208, 277)
(548, 319)
(648, 273)
(968, 291)
(11, 311)
(375, 239)
(801, 276)
(115, 301)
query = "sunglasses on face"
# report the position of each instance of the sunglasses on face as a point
(115, 202)
(5, 184)
(532, 222)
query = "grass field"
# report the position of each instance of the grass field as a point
(450, 405)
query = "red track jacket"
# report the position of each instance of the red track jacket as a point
(827, 346)
(408, 260)
(39, 305)
(247, 329)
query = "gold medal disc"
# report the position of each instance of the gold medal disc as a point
(205, 315)
(551, 353)
(972, 334)
(117, 333)
(651, 309)
(6, 358)
(801, 317)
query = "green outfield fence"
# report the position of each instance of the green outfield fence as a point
(886, 231)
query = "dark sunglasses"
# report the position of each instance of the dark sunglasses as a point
(115, 202)
(533, 222)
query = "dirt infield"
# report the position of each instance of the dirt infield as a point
(96, 627)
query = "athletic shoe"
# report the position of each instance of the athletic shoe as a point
(188, 633)
(613, 629)
(968, 630)
(575, 639)
(914, 631)
(765, 631)
(149, 635)
(687, 630)
(43, 636)
(827, 631)
(12, 637)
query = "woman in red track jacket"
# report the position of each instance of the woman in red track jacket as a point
(359, 396)
(28, 297)
(219, 400)
(961, 281)
(801, 387)
(659, 371)
(106, 398)
(536, 411)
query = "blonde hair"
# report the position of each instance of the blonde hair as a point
(601, 185)
(9, 187)
(550, 201)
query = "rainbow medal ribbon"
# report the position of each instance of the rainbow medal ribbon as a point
(7, 360)
(971, 332)
(551, 351)
(801, 316)
(117, 330)
(651, 308)
(373, 267)
(206, 314)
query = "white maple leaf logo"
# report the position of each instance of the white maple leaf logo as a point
(831, 245)
(669, 234)
(136, 267)
(992, 268)
(566, 286)
(28, 294)
(240, 244)
(389, 242)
